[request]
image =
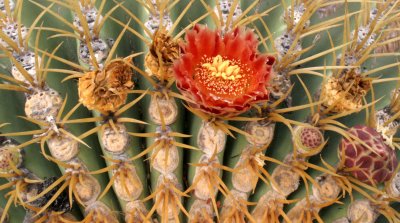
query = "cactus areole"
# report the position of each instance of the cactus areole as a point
(374, 163)
(223, 75)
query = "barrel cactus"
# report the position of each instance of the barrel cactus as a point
(199, 111)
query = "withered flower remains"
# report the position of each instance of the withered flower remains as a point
(163, 51)
(106, 90)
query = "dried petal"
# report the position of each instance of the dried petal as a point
(106, 90)
(163, 52)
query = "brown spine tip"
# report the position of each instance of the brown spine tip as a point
(210, 138)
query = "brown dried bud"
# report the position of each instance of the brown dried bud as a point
(345, 93)
(106, 90)
(163, 51)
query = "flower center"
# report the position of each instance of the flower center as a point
(223, 77)
(223, 68)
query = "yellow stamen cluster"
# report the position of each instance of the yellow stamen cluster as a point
(223, 68)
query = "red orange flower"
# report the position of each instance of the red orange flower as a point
(223, 75)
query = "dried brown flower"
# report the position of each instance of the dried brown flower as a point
(345, 93)
(106, 90)
(163, 51)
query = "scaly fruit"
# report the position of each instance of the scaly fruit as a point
(368, 159)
